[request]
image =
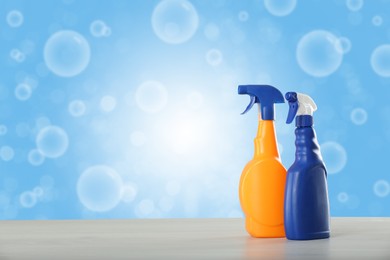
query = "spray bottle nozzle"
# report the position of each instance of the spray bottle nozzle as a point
(300, 104)
(266, 96)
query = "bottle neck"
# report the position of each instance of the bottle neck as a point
(265, 141)
(304, 120)
(306, 144)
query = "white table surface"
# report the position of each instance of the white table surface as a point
(351, 238)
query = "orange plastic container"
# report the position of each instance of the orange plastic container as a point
(262, 186)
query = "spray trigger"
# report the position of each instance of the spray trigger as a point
(251, 103)
(292, 99)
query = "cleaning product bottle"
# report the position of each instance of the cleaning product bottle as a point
(306, 207)
(263, 179)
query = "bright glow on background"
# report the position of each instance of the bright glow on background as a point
(129, 109)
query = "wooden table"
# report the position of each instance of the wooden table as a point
(352, 238)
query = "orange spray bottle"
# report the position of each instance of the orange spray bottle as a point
(263, 179)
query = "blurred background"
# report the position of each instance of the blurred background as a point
(129, 109)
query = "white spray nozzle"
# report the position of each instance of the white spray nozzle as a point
(300, 104)
(306, 105)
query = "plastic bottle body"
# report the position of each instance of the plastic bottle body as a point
(262, 186)
(306, 214)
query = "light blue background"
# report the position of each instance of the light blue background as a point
(205, 175)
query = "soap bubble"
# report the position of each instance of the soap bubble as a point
(334, 155)
(17, 55)
(342, 197)
(15, 18)
(67, 53)
(280, 7)
(144, 208)
(52, 141)
(175, 21)
(27, 199)
(317, 53)
(377, 20)
(359, 116)
(243, 16)
(7, 153)
(354, 5)
(343, 45)
(211, 31)
(23, 91)
(108, 103)
(151, 96)
(381, 188)
(35, 157)
(3, 130)
(77, 108)
(129, 192)
(99, 28)
(380, 60)
(173, 188)
(137, 138)
(214, 57)
(99, 188)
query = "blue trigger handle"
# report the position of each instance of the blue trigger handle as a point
(251, 103)
(292, 99)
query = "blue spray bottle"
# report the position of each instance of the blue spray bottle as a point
(306, 204)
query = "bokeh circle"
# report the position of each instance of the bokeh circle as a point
(359, 116)
(343, 45)
(7, 153)
(77, 108)
(99, 188)
(381, 188)
(342, 197)
(15, 18)
(280, 7)
(317, 53)
(35, 157)
(67, 53)
(377, 20)
(98, 28)
(151, 96)
(334, 155)
(175, 21)
(27, 199)
(354, 5)
(380, 60)
(52, 141)
(214, 57)
(23, 91)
